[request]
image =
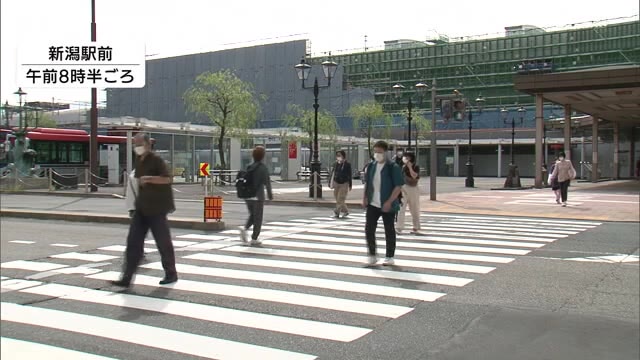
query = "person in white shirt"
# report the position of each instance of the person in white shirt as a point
(382, 188)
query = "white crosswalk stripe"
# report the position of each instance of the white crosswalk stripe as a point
(314, 268)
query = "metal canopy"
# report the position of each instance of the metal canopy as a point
(610, 93)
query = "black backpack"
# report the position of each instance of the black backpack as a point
(246, 186)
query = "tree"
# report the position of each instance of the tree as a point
(302, 118)
(228, 102)
(366, 116)
(422, 129)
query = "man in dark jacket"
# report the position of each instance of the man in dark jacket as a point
(255, 205)
(152, 204)
(341, 182)
(383, 186)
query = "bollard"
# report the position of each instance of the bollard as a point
(51, 186)
(212, 208)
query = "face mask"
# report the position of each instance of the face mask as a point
(561, 158)
(140, 150)
(379, 157)
(339, 159)
(405, 160)
(399, 154)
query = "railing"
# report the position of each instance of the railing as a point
(306, 174)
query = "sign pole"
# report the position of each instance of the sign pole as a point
(93, 138)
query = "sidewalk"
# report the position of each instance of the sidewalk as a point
(604, 201)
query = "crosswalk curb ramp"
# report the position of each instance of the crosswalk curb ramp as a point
(304, 288)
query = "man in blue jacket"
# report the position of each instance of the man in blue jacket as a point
(383, 186)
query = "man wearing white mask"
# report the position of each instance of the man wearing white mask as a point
(341, 182)
(383, 186)
(153, 202)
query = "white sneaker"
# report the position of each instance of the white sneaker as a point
(564, 204)
(388, 261)
(243, 235)
(372, 259)
(255, 242)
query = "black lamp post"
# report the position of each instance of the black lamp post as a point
(469, 181)
(513, 178)
(420, 90)
(303, 69)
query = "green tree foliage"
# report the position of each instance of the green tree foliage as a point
(422, 127)
(369, 116)
(228, 102)
(302, 118)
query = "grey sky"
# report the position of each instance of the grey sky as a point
(170, 27)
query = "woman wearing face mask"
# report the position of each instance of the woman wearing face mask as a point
(341, 183)
(563, 172)
(410, 193)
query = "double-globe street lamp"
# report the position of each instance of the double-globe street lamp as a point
(513, 178)
(469, 181)
(303, 69)
(421, 88)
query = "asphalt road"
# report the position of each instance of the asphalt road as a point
(472, 287)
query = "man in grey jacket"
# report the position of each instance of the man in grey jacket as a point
(255, 205)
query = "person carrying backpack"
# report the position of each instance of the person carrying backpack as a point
(250, 186)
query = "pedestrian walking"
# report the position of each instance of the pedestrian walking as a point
(410, 193)
(250, 186)
(383, 186)
(341, 181)
(153, 202)
(553, 181)
(563, 172)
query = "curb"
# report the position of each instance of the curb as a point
(180, 223)
(53, 193)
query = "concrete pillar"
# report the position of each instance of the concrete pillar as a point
(235, 154)
(291, 160)
(594, 149)
(567, 131)
(539, 133)
(129, 151)
(499, 160)
(616, 150)
(632, 154)
(456, 160)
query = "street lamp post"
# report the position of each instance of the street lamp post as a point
(303, 69)
(469, 181)
(513, 178)
(420, 89)
(20, 94)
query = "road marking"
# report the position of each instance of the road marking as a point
(176, 243)
(472, 222)
(305, 281)
(619, 258)
(84, 257)
(360, 259)
(504, 229)
(416, 245)
(64, 245)
(31, 265)
(334, 269)
(202, 237)
(3, 278)
(399, 252)
(515, 219)
(18, 349)
(22, 242)
(128, 332)
(310, 328)
(279, 296)
(122, 248)
(17, 284)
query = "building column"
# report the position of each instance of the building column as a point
(129, 151)
(456, 160)
(539, 132)
(594, 149)
(235, 154)
(567, 131)
(616, 151)
(632, 153)
(499, 160)
(172, 154)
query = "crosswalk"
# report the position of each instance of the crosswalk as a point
(305, 289)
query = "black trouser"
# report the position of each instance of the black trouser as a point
(564, 189)
(373, 214)
(140, 225)
(256, 210)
